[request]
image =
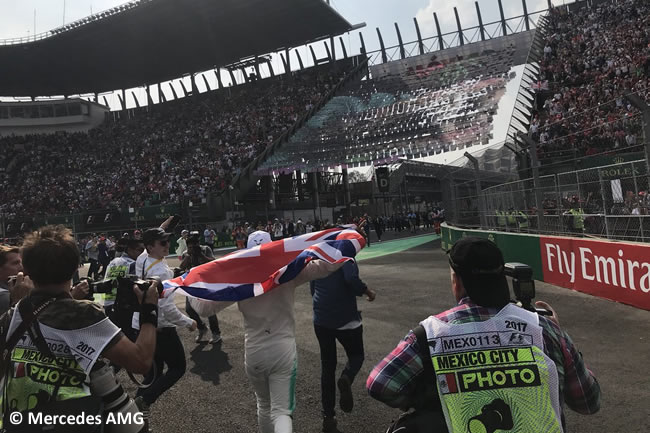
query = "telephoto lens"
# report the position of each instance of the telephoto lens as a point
(121, 414)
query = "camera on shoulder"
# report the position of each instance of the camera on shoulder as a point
(523, 286)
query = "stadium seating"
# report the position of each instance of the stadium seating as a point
(446, 105)
(181, 150)
(592, 58)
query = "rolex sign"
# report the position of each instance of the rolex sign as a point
(383, 179)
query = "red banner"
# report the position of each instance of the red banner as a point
(611, 270)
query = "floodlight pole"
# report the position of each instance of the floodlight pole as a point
(479, 190)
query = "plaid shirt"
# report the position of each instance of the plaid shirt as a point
(393, 381)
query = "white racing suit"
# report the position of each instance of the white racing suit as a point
(270, 357)
(270, 345)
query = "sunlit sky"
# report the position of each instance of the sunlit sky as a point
(24, 17)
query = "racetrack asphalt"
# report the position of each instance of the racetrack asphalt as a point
(215, 396)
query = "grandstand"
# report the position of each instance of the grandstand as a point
(173, 154)
(592, 58)
(586, 150)
(292, 141)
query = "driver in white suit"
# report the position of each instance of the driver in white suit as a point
(270, 351)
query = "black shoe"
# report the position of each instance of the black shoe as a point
(345, 389)
(329, 424)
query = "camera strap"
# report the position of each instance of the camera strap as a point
(425, 354)
(28, 315)
(144, 271)
(430, 389)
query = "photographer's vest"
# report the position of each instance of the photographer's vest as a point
(501, 218)
(494, 375)
(36, 380)
(119, 267)
(578, 219)
(523, 220)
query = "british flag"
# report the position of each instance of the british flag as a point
(254, 271)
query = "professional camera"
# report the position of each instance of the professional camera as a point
(523, 285)
(126, 298)
(101, 286)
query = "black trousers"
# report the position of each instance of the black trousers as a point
(170, 351)
(352, 342)
(212, 320)
(93, 270)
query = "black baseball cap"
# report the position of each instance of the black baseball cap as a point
(152, 235)
(479, 264)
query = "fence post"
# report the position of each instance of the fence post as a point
(636, 191)
(642, 106)
(477, 171)
(602, 194)
(454, 202)
(560, 213)
(532, 151)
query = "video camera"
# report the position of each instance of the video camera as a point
(523, 286)
(125, 296)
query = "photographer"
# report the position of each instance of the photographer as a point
(169, 348)
(121, 267)
(13, 284)
(534, 368)
(196, 255)
(66, 337)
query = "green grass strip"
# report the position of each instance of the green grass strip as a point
(379, 249)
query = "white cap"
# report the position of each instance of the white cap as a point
(258, 238)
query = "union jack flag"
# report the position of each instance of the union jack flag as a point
(254, 271)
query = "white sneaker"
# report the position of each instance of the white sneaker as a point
(199, 337)
(215, 338)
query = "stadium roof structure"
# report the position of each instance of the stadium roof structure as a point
(152, 41)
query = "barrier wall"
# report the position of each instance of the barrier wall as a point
(619, 271)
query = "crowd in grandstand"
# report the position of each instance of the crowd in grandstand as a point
(592, 58)
(443, 105)
(179, 150)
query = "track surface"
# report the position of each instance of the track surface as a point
(215, 396)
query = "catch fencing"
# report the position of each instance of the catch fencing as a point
(610, 202)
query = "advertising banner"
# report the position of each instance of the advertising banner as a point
(611, 270)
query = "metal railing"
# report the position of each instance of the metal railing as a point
(73, 24)
(610, 202)
(452, 39)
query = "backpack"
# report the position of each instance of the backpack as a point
(427, 417)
